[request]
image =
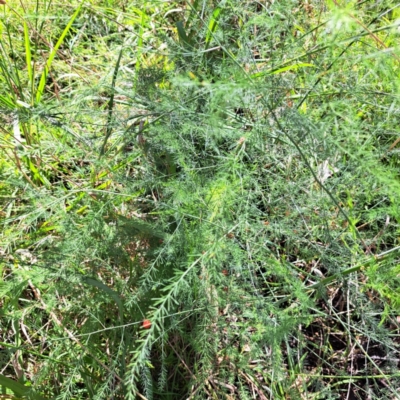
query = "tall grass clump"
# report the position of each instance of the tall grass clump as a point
(199, 200)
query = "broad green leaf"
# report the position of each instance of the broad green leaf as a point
(182, 34)
(18, 388)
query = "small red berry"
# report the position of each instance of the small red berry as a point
(146, 324)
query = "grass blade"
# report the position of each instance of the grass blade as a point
(28, 56)
(43, 77)
(212, 26)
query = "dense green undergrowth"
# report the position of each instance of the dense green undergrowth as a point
(199, 200)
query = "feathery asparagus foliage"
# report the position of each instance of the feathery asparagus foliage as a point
(225, 170)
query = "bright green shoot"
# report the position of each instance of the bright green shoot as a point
(42, 82)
